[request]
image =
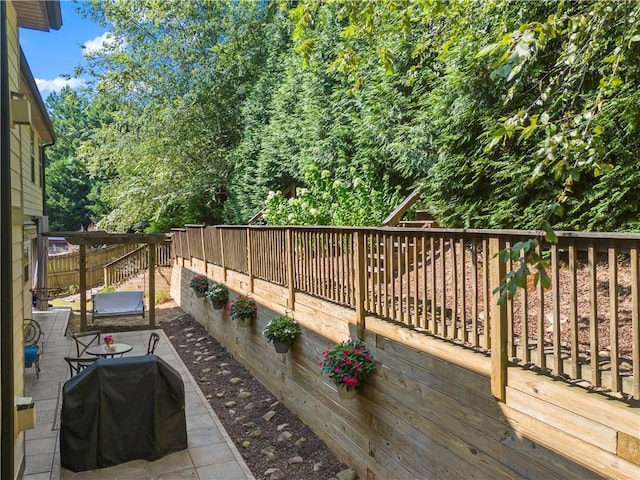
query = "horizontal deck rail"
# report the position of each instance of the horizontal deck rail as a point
(584, 329)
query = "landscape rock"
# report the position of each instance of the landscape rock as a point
(295, 460)
(275, 474)
(250, 406)
(256, 433)
(230, 404)
(347, 474)
(300, 441)
(235, 380)
(246, 444)
(269, 416)
(282, 426)
(244, 394)
(284, 436)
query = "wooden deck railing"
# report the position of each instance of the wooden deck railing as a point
(134, 262)
(585, 328)
(64, 270)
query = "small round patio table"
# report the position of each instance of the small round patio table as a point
(103, 351)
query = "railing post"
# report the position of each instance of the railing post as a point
(82, 256)
(360, 282)
(224, 264)
(152, 284)
(290, 271)
(204, 250)
(498, 319)
(249, 260)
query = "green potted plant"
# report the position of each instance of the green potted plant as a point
(347, 364)
(218, 293)
(244, 310)
(199, 284)
(281, 331)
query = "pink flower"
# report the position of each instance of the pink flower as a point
(358, 364)
(367, 357)
(347, 362)
(336, 369)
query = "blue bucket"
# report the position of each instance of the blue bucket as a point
(30, 353)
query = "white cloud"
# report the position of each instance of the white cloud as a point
(56, 84)
(96, 44)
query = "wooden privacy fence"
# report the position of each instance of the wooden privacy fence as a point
(134, 262)
(64, 271)
(585, 328)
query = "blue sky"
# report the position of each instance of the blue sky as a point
(56, 53)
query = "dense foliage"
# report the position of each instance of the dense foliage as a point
(507, 113)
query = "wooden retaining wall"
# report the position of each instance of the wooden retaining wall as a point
(428, 410)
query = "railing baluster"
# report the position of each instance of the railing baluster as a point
(613, 319)
(454, 288)
(576, 367)
(463, 289)
(558, 367)
(542, 358)
(593, 318)
(443, 287)
(635, 322)
(486, 296)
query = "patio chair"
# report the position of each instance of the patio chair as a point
(76, 365)
(154, 338)
(84, 340)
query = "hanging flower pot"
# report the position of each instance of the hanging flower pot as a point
(243, 310)
(281, 347)
(347, 364)
(345, 394)
(199, 284)
(281, 331)
(244, 322)
(218, 293)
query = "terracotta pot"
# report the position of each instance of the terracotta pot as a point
(281, 347)
(345, 394)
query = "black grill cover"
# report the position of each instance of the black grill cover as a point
(121, 409)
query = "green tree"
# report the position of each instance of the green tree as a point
(70, 189)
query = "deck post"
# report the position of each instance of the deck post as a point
(360, 282)
(204, 249)
(290, 270)
(152, 285)
(82, 257)
(224, 265)
(249, 259)
(498, 321)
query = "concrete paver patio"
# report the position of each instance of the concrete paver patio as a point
(211, 455)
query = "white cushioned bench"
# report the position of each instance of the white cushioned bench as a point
(117, 304)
